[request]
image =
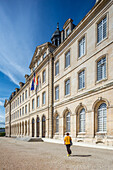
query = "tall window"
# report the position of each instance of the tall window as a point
(101, 69)
(38, 101)
(82, 121)
(67, 59)
(22, 110)
(26, 94)
(33, 102)
(57, 124)
(67, 32)
(44, 76)
(20, 99)
(56, 68)
(44, 55)
(81, 79)
(44, 98)
(102, 118)
(38, 62)
(57, 93)
(67, 87)
(82, 47)
(23, 97)
(20, 113)
(68, 122)
(102, 30)
(29, 107)
(26, 109)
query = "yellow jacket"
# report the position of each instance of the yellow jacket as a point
(67, 140)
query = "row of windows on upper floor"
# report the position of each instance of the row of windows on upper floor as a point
(21, 98)
(101, 35)
(26, 109)
(101, 75)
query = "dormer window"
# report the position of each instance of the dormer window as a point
(44, 55)
(67, 32)
(38, 62)
(34, 68)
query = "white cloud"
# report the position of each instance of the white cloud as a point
(14, 50)
(1, 103)
(2, 118)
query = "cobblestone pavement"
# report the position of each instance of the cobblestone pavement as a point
(21, 155)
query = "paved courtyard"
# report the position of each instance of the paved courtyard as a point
(21, 155)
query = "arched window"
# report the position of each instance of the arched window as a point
(102, 118)
(68, 122)
(82, 120)
(57, 124)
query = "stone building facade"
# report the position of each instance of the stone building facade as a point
(78, 83)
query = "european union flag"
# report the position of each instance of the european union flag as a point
(32, 86)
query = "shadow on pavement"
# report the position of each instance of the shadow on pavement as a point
(80, 155)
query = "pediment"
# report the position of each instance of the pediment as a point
(38, 52)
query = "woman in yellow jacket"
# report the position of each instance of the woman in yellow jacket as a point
(68, 143)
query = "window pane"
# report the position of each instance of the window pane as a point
(102, 30)
(68, 122)
(82, 121)
(67, 59)
(82, 79)
(67, 87)
(101, 69)
(102, 118)
(82, 47)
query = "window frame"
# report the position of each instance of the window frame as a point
(65, 87)
(67, 66)
(56, 67)
(107, 28)
(38, 97)
(33, 104)
(44, 76)
(55, 92)
(96, 72)
(43, 98)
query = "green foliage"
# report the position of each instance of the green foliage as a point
(2, 133)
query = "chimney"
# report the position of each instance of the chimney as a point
(26, 77)
(21, 84)
(97, 1)
(17, 89)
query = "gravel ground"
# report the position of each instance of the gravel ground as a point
(21, 155)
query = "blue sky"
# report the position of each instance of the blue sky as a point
(24, 24)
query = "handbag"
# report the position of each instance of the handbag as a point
(71, 143)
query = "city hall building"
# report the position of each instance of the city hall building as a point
(73, 88)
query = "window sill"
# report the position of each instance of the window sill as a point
(56, 133)
(56, 75)
(56, 100)
(98, 43)
(101, 133)
(81, 133)
(99, 81)
(67, 67)
(81, 89)
(67, 95)
(81, 57)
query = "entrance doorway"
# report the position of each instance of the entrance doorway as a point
(33, 126)
(38, 126)
(43, 126)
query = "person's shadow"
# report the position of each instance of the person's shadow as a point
(80, 155)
